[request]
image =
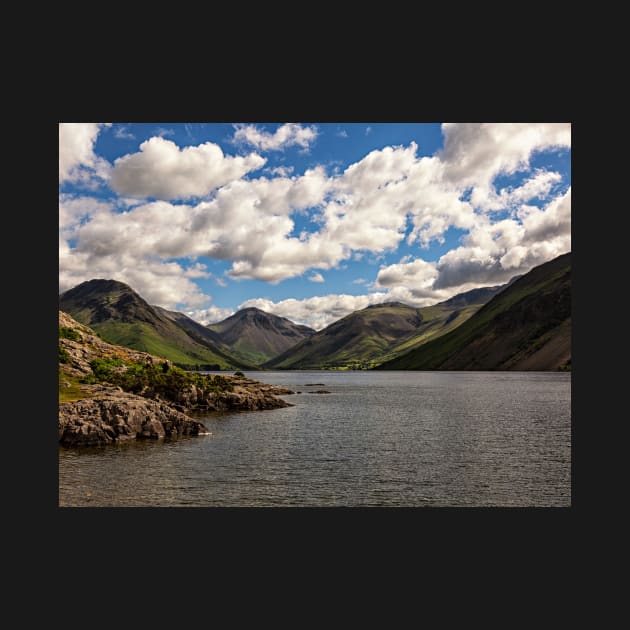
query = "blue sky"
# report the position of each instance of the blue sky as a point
(309, 220)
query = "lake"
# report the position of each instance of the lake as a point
(377, 439)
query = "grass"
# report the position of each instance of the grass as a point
(363, 341)
(141, 336)
(73, 392)
(437, 350)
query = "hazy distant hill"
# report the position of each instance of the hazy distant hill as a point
(122, 317)
(257, 336)
(527, 326)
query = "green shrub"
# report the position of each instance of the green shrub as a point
(151, 379)
(238, 373)
(69, 333)
(64, 357)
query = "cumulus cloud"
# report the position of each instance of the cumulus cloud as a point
(73, 209)
(538, 186)
(287, 135)
(550, 223)
(418, 274)
(367, 210)
(77, 160)
(494, 252)
(162, 170)
(210, 315)
(474, 153)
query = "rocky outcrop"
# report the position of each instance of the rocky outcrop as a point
(90, 346)
(105, 414)
(111, 415)
(246, 395)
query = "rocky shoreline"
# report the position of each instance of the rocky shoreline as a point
(112, 415)
(103, 413)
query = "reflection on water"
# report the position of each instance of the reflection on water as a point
(379, 439)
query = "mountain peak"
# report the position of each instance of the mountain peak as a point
(258, 335)
(123, 317)
(101, 284)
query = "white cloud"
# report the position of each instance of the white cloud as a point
(474, 153)
(316, 312)
(210, 315)
(162, 170)
(495, 252)
(389, 195)
(418, 275)
(538, 186)
(342, 133)
(282, 171)
(287, 135)
(77, 161)
(316, 277)
(359, 281)
(123, 133)
(366, 208)
(161, 132)
(550, 223)
(368, 131)
(73, 209)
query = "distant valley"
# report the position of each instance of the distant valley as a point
(523, 325)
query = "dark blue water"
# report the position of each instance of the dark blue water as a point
(378, 439)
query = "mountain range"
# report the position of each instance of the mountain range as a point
(120, 316)
(380, 332)
(523, 325)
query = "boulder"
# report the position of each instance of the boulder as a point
(116, 416)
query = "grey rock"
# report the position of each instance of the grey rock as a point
(118, 416)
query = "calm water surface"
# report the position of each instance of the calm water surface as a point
(378, 439)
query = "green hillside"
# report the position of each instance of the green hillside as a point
(122, 317)
(527, 326)
(379, 333)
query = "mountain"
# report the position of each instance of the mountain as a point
(122, 317)
(257, 336)
(527, 326)
(379, 333)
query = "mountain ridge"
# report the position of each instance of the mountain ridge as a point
(121, 316)
(527, 326)
(258, 336)
(379, 332)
